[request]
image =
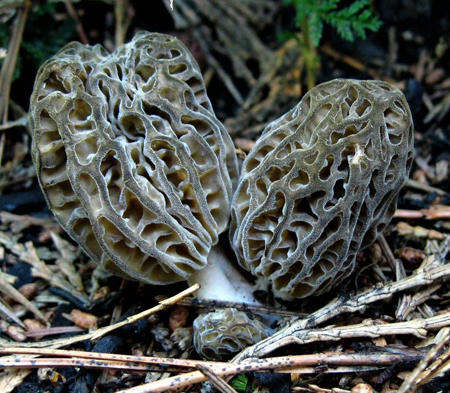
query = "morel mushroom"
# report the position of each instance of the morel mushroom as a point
(320, 184)
(131, 158)
(221, 334)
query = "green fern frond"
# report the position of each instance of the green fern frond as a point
(353, 20)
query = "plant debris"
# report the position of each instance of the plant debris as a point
(68, 325)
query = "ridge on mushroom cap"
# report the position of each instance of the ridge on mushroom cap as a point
(130, 156)
(320, 184)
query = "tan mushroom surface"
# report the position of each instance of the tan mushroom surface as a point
(131, 158)
(320, 184)
(221, 334)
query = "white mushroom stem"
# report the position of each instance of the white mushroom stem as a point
(226, 331)
(221, 280)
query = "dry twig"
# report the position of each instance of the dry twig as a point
(389, 255)
(9, 65)
(78, 25)
(96, 334)
(215, 304)
(218, 382)
(20, 222)
(405, 229)
(286, 363)
(340, 305)
(124, 14)
(28, 254)
(436, 253)
(232, 34)
(422, 371)
(424, 187)
(413, 214)
(9, 290)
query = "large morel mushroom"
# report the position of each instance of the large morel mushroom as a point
(320, 184)
(131, 158)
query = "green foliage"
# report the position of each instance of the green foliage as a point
(239, 383)
(357, 18)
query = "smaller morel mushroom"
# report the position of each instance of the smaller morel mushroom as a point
(320, 184)
(222, 334)
(131, 158)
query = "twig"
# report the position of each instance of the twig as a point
(122, 8)
(8, 312)
(424, 187)
(416, 327)
(105, 357)
(411, 383)
(8, 67)
(340, 305)
(145, 363)
(230, 33)
(436, 253)
(105, 330)
(354, 63)
(439, 367)
(23, 121)
(226, 79)
(405, 229)
(214, 304)
(132, 364)
(411, 302)
(25, 221)
(387, 251)
(9, 290)
(18, 362)
(218, 382)
(66, 263)
(28, 254)
(161, 306)
(53, 331)
(10, 379)
(78, 25)
(279, 363)
(437, 212)
(413, 214)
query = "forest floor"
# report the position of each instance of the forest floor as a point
(386, 330)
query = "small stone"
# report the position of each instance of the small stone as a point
(83, 319)
(362, 388)
(29, 290)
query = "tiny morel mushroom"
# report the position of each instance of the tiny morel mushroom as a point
(320, 184)
(221, 334)
(224, 333)
(131, 158)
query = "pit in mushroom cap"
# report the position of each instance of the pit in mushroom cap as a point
(320, 184)
(131, 158)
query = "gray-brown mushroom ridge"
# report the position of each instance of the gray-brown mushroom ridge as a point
(320, 184)
(131, 158)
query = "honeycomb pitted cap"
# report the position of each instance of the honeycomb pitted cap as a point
(320, 184)
(130, 156)
(221, 334)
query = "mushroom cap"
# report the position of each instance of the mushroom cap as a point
(320, 184)
(131, 158)
(221, 334)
